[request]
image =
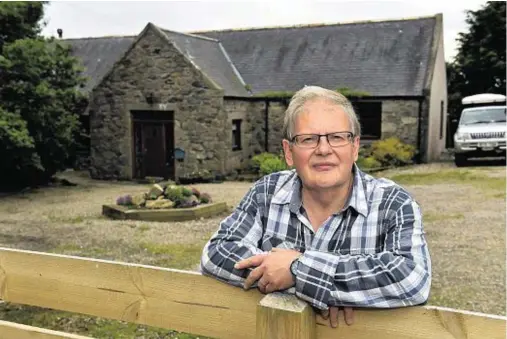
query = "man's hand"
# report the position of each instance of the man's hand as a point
(272, 270)
(332, 314)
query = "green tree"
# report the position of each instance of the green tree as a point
(481, 53)
(39, 109)
(479, 65)
(20, 20)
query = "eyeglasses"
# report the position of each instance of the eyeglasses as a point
(337, 139)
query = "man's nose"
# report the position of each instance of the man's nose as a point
(323, 147)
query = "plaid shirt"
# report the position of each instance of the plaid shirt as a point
(372, 253)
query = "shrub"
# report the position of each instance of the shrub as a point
(272, 165)
(266, 163)
(392, 152)
(368, 162)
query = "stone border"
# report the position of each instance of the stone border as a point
(172, 214)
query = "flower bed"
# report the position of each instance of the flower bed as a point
(165, 202)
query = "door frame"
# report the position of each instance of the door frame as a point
(167, 114)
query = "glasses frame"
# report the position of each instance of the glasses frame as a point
(350, 137)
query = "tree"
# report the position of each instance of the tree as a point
(40, 104)
(20, 20)
(479, 65)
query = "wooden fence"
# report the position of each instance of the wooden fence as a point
(192, 303)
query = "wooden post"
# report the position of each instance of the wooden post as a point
(284, 316)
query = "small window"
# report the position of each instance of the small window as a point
(236, 134)
(370, 117)
(441, 119)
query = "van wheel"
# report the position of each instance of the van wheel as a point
(460, 160)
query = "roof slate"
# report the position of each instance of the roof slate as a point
(98, 55)
(382, 58)
(212, 59)
(388, 58)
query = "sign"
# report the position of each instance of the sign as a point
(179, 154)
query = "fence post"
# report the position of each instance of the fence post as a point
(284, 316)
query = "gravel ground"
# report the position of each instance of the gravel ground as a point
(464, 220)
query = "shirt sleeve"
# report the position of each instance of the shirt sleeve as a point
(238, 237)
(398, 276)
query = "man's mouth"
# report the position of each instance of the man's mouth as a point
(324, 166)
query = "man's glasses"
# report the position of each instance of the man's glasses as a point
(336, 139)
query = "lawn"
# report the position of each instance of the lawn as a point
(464, 216)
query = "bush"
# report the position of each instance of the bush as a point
(272, 165)
(391, 152)
(267, 163)
(367, 162)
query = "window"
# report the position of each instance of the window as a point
(370, 118)
(236, 134)
(441, 119)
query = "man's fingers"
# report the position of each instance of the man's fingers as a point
(325, 314)
(254, 275)
(255, 260)
(349, 315)
(333, 316)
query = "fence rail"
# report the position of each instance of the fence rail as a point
(192, 303)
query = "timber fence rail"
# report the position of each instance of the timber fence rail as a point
(192, 303)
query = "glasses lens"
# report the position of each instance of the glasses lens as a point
(307, 140)
(338, 139)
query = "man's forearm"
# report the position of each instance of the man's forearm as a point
(219, 258)
(383, 280)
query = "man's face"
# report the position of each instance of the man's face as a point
(325, 166)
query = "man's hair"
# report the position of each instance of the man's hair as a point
(308, 93)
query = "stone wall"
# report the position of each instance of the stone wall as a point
(400, 119)
(155, 66)
(275, 125)
(252, 131)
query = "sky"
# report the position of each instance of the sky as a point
(80, 19)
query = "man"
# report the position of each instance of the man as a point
(334, 235)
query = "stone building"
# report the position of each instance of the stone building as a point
(168, 104)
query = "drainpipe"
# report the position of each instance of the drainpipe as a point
(419, 130)
(266, 125)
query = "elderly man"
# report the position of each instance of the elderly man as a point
(332, 234)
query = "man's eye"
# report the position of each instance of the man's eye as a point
(337, 137)
(307, 140)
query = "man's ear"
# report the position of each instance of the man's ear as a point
(287, 152)
(356, 148)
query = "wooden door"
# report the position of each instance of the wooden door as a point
(154, 153)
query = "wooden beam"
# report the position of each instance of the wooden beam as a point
(283, 316)
(10, 330)
(426, 322)
(192, 303)
(165, 298)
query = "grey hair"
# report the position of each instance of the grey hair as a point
(309, 93)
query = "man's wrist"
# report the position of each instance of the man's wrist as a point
(294, 267)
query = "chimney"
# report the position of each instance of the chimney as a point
(60, 32)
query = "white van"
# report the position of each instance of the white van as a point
(481, 129)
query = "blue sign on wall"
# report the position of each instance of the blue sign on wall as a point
(179, 154)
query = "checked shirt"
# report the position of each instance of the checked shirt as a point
(373, 253)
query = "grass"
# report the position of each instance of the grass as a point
(180, 256)
(454, 176)
(94, 327)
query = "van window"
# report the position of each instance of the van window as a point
(483, 115)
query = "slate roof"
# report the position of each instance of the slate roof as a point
(387, 58)
(98, 55)
(382, 58)
(209, 55)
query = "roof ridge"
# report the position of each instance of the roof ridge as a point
(317, 25)
(99, 37)
(189, 35)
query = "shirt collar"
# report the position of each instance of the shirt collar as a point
(289, 192)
